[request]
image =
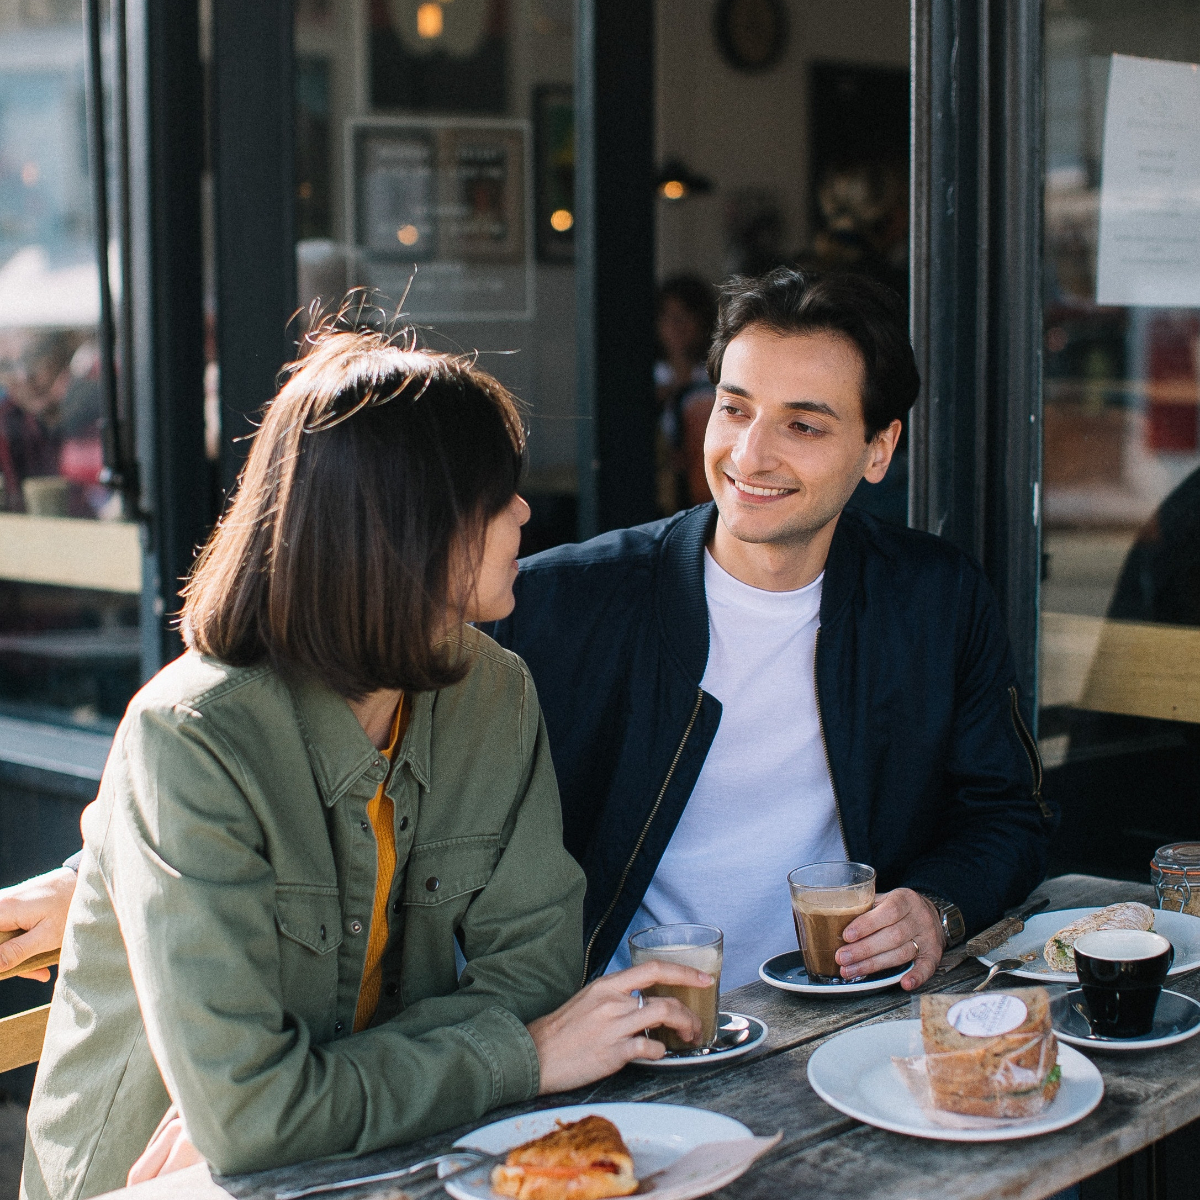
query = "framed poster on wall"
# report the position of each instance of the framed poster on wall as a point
(448, 197)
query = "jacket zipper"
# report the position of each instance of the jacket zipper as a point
(1031, 752)
(837, 807)
(587, 954)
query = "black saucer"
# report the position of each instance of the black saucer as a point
(1176, 1018)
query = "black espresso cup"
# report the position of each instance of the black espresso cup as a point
(1121, 972)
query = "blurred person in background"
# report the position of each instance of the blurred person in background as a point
(686, 312)
(34, 377)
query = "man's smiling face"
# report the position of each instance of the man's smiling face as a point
(786, 444)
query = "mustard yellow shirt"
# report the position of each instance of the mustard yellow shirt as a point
(381, 814)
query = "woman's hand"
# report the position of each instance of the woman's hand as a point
(38, 907)
(602, 1028)
(167, 1150)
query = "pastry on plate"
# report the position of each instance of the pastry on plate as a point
(583, 1160)
(1060, 949)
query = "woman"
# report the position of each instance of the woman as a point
(304, 816)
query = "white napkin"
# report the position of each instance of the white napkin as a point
(707, 1168)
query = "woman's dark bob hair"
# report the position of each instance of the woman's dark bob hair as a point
(367, 492)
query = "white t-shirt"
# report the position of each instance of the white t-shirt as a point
(764, 803)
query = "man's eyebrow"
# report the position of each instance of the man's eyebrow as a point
(812, 406)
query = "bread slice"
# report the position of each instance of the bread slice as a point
(1011, 1074)
(583, 1160)
(1060, 949)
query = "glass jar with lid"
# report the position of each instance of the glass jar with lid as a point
(1175, 870)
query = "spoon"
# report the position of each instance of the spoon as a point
(1005, 964)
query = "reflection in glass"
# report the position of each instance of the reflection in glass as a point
(69, 642)
(440, 137)
(1120, 639)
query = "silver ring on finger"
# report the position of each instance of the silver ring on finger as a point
(641, 1000)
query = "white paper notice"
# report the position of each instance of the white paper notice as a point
(1149, 249)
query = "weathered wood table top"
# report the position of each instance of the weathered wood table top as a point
(823, 1153)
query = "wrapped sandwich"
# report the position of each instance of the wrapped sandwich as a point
(1060, 949)
(992, 1055)
(584, 1160)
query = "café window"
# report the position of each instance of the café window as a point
(434, 166)
(1120, 594)
(70, 564)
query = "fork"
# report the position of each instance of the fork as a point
(464, 1160)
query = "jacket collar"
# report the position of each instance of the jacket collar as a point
(683, 607)
(340, 752)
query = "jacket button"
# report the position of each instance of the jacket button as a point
(432, 883)
(395, 906)
(390, 989)
(403, 824)
(364, 825)
(356, 927)
(322, 933)
(338, 1027)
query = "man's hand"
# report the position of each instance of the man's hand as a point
(884, 938)
(167, 1150)
(602, 1028)
(38, 907)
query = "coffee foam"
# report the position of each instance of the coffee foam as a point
(1121, 945)
(703, 958)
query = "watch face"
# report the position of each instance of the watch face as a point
(752, 34)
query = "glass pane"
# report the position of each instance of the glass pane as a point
(70, 569)
(777, 145)
(1120, 638)
(438, 138)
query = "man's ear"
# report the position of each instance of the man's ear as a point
(882, 447)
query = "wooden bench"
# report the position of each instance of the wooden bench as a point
(22, 1034)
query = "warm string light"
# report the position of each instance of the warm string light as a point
(430, 20)
(561, 220)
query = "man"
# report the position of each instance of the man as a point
(772, 680)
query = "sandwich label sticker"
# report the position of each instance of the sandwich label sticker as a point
(987, 1016)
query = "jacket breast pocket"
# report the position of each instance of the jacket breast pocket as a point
(441, 880)
(309, 920)
(449, 870)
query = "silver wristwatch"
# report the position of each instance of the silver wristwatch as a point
(954, 929)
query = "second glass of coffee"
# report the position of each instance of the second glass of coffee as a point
(699, 946)
(826, 897)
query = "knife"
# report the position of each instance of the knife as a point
(996, 935)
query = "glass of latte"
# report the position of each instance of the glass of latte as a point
(699, 946)
(826, 897)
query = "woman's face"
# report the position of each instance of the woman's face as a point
(492, 598)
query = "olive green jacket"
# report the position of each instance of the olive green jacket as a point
(217, 936)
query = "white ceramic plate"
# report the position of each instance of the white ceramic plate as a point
(736, 1035)
(854, 1073)
(1176, 1019)
(1182, 930)
(786, 972)
(656, 1134)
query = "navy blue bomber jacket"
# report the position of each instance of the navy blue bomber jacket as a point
(937, 780)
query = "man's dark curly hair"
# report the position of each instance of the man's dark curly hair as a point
(787, 301)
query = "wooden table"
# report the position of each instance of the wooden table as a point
(823, 1153)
